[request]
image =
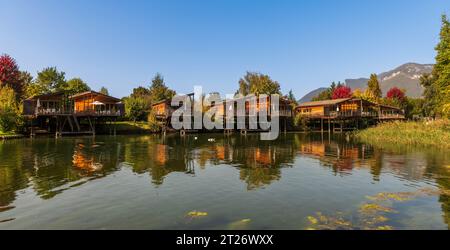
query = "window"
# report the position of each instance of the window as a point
(349, 106)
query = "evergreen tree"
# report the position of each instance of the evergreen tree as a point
(291, 98)
(158, 89)
(441, 71)
(429, 95)
(104, 91)
(374, 86)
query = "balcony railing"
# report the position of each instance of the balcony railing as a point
(99, 112)
(49, 111)
(355, 113)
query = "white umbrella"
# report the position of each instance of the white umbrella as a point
(98, 103)
(38, 103)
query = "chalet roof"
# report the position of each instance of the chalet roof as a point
(282, 99)
(168, 100)
(323, 103)
(337, 101)
(47, 95)
(91, 92)
(387, 106)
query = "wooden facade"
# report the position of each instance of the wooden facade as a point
(97, 104)
(163, 110)
(348, 108)
(88, 103)
(71, 114)
(47, 104)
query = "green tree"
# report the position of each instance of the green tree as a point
(51, 80)
(324, 95)
(328, 93)
(136, 109)
(158, 89)
(291, 98)
(415, 108)
(9, 110)
(441, 71)
(143, 95)
(374, 86)
(104, 91)
(256, 83)
(140, 92)
(27, 81)
(75, 86)
(243, 88)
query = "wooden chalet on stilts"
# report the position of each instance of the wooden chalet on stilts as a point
(346, 114)
(65, 114)
(163, 111)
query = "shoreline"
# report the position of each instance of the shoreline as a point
(11, 136)
(408, 133)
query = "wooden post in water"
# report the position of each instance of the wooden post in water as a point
(321, 125)
(329, 125)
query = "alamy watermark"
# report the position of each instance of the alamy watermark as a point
(211, 112)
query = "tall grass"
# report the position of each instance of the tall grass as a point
(427, 133)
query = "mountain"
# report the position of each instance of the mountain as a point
(308, 97)
(404, 77)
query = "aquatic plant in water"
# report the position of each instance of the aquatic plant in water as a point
(371, 215)
(196, 214)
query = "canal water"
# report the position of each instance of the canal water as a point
(214, 181)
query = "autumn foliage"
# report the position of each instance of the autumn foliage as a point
(396, 93)
(10, 74)
(341, 92)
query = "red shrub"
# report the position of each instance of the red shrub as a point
(341, 92)
(396, 93)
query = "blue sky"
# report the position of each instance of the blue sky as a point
(301, 44)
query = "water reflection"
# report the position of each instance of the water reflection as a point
(50, 167)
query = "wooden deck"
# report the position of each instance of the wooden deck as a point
(354, 115)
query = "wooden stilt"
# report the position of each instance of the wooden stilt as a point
(321, 125)
(329, 125)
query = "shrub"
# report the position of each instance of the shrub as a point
(9, 112)
(301, 122)
(153, 123)
(9, 120)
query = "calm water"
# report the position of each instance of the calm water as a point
(151, 182)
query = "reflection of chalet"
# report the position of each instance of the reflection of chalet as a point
(348, 108)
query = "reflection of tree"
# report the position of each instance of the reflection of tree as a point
(442, 175)
(376, 164)
(260, 162)
(13, 174)
(158, 156)
(258, 177)
(48, 166)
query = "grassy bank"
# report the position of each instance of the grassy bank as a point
(9, 135)
(433, 133)
(130, 127)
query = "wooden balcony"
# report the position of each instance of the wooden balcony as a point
(355, 114)
(55, 112)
